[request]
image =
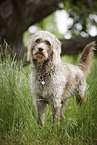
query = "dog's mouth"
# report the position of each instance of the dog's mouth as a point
(39, 55)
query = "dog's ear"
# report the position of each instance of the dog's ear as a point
(58, 46)
(56, 50)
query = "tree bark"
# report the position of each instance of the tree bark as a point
(17, 15)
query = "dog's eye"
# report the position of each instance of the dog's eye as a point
(37, 40)
(48, 43)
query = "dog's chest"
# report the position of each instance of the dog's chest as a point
(43, 79)
(49, 83)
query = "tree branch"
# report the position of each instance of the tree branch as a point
(75, 45)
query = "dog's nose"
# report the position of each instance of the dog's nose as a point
(40, 49)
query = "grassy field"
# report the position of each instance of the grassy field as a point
(18, 125)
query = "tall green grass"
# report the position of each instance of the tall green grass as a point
(18, 123)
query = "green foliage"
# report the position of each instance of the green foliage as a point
(80, 12)
(26, 37)
(47, 24)
(83, 14)
(18, 121)
(50, 24)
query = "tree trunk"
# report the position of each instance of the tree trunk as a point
(17, 15)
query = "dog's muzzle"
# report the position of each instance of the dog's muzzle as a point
(40, 52)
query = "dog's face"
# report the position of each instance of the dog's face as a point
(41, 50)
(42, 45)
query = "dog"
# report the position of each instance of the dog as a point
(54, 81)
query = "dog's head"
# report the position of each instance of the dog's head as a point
(43, 44)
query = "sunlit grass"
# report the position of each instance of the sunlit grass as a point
(18, 123)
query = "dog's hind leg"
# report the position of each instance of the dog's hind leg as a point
(80, 91)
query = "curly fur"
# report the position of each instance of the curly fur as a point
(54, 81)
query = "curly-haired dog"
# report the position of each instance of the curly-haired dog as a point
(54, 81)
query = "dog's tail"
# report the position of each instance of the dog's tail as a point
(86, 57)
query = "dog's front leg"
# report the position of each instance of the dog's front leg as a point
(56, 114)
(41, 105)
